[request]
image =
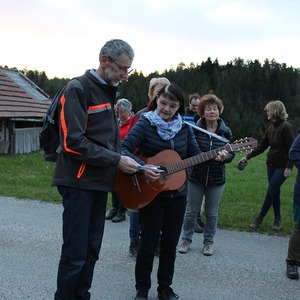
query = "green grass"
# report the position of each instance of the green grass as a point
(29, 177)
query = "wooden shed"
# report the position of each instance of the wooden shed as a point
(23, 106)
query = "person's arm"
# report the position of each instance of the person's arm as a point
(294, 153)
(230, 155)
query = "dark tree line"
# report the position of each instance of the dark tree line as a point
(244, 87)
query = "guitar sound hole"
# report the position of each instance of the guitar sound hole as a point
(164, 174)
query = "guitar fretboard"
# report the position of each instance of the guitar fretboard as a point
(194, 160)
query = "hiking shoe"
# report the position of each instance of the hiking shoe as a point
(256, 224)
(276, 224)
(198, 228)
(142, 294)
(207, 249)
(119, 217)
(111, 214)
(167, 294)
(291, 270)
(133, 250)
(184, 247)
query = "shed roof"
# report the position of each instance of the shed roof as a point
(20, 97)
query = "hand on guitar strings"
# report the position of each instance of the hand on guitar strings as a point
(128, 165)
(222, 155)
(151, 176)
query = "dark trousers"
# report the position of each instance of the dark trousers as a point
(134, 228)
(272, 198)
(164, 218)
(83, 225)
(294, 242)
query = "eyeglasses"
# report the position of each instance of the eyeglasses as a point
(124, 69)
(165, 103)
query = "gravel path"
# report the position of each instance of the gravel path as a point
(245, 266)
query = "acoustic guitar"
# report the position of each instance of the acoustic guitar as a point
(135, 191)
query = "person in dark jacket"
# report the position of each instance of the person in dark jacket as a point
(155, 85)
(206, 179)
(293, 256)
(86, 167)
(190, 112)
(159, 129)
(279, 136)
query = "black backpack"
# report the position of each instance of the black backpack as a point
(49, 136)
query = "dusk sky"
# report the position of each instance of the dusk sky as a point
(63, 37)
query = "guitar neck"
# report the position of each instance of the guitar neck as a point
(195, 160)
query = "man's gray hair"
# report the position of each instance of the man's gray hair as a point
(116, 47)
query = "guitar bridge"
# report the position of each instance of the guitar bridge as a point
(135, 183)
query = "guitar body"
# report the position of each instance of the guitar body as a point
(135, 192)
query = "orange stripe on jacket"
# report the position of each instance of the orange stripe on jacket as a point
(100, 106)
(64, 126)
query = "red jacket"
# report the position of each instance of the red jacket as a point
(127, 125)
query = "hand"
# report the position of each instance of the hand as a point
(128, 165)
(222, 155)
(150, 175)
(287, 173)
(243, 160)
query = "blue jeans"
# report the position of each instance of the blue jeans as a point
(135, 228)
(83, 225)
(272, 198)
(213, 194)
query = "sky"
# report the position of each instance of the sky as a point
(64, 37)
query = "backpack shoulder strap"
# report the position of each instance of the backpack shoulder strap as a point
(86, 86)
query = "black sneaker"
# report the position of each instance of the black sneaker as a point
(276, 224)
(257, 223)
(167, 294)
(198, 228)
(291, 270)
(119, 217)
(133, 250)
(200, 221)
(142, 294)
(111, 214)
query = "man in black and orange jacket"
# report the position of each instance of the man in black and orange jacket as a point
(87, 165)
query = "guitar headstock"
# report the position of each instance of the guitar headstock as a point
(244, 144)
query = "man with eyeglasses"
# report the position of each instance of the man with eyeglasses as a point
(87, 164)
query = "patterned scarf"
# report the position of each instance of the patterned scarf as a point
(166, 130)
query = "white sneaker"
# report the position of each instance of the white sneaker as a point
(207, 249)
(184, 247)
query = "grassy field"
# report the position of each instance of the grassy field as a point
(29, 176)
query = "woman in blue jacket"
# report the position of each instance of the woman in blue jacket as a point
(207, 179)
(159, 129)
